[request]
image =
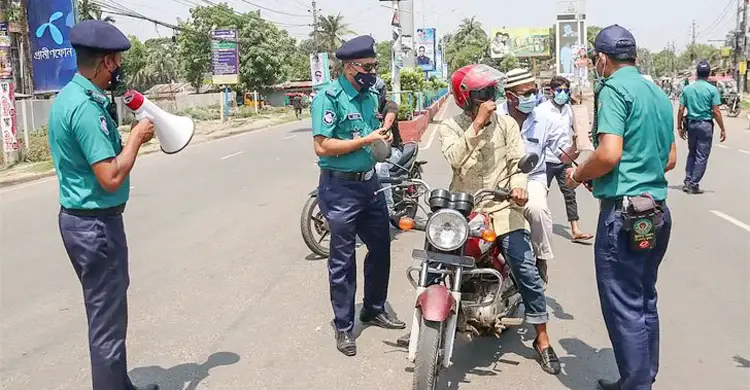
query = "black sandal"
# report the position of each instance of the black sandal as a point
(548, 359)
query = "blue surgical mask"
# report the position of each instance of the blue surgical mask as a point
(562, 98)
(527, 104)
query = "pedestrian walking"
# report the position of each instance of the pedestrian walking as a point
(93, 171)
(559, 111)
(345, 124)
(702, 102)
(634, 140)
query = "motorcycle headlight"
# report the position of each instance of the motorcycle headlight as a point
(447, 230)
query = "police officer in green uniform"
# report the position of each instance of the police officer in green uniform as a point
(634, 139)
(345, 124)
(92, 170)
(702, 101)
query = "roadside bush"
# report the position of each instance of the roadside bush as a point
(206, 113)
(405, 112)
(38, 148)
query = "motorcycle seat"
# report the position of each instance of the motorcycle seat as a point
(408, 154)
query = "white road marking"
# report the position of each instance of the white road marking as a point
(232, 155)
(290, 137)
(432, 137)
(731, 220)
(744, 151)
(722, 146)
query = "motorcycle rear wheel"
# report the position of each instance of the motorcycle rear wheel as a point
(312, 220)
(734, 110)
(427, 363)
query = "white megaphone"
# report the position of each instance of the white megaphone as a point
(174, 132)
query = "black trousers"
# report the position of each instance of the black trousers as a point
(557, 170)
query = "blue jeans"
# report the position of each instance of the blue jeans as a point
(352, 210)
(700, 139)
(516, 248)
(98, 251)
(383, 170)
(627, 292)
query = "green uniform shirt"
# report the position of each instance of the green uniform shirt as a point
(638, 111)
(82, 133)
(340, 111)
(699, 98)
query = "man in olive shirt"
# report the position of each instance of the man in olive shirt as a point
(345, 124)
(634, 139)
(702, 101)
(93, 171)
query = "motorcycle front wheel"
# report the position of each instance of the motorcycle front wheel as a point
(734, 109)
(428, 360)
(314, 224)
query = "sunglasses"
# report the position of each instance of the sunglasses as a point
(560, 90)
(366, 67)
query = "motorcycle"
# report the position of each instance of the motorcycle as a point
(464, 285)
(732, 101)
(314, 226)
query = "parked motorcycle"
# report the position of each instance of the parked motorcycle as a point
(732, 102)
(314, 226)
(464, 285)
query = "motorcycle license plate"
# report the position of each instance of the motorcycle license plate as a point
(442, 258)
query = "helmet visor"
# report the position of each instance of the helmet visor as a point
(485, 82)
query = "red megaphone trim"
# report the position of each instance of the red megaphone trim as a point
(133, 99)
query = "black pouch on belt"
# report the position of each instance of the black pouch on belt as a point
(641, 217)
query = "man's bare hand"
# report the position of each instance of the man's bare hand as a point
(569, 181)
(376, 135)
(143, 131)
(682, 132)
(485, 113)
(723, 135)
(519, 196)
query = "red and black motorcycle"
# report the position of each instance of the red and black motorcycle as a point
(464, 283)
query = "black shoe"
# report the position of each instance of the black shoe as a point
(345, 342)
(403, 341)
(607, 385)
(548, 359)
(696, 190)
(383, 320)
(686, 189)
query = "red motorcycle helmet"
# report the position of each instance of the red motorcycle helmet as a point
(474, 83)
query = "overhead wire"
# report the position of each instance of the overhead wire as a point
(273, 10)
(718, 22)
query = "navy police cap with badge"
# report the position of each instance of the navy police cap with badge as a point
(616, 42)
(99, 36)
(703, 67)
(360, 47)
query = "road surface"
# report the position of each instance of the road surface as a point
(225, 295)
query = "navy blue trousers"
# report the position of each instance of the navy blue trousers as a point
(352, 210)
(98, 250)
(700, 139)
(627, 292)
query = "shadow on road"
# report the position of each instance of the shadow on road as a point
(583, 364)
(184, 376)
(394, 233)
(302, 130)
(359, 327)
(741, 362)
(678, 187)
(562, 231)
(557, 309)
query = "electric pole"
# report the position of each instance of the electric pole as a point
(406, 15)
(743, 46)
(396, 54)
(315, 26)
(8, 131)
(692, 45)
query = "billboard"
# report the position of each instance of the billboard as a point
(520, 42)
(8, 117)
(425, 45)
(52, 57)
(6, 67)
(225, 57)
(320, 72)
(571, 35)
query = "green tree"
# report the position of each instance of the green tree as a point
(412, 79)
(89, 10)
(385, 55)
(468, 45)
(134, 65)
(299, 63)
(331, 32)
(644, 61)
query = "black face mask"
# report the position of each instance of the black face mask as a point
(114, 82)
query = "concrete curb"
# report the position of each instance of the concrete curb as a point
(6, 183)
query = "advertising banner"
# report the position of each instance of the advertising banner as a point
(320, 72)
(520, 42)
(425, 45)
(568, 38)
(52, 57)
(6, 67)
(225, 57)
(8, 117)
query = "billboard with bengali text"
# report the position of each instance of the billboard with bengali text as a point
(52, 57)
(8, 117)
(425, 49)
(225, 57)
(520, 42)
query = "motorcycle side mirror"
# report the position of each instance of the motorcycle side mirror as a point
(527, 163)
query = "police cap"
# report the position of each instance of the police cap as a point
(616, 42)
(360, 47)
(703, 69)
(99, 36)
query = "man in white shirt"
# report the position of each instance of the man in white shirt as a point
(540, 131)
(558, 108)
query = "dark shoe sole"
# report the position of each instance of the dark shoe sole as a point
(348, 351)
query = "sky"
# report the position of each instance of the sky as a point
(653, 22)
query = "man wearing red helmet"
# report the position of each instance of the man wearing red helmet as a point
(483, 149)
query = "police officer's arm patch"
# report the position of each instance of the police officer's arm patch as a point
(329, 117)
(103, 124)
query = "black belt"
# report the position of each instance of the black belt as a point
(108, 212)
(354, 176)
(617, 202)
(700, 120)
